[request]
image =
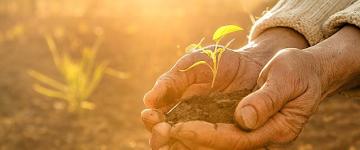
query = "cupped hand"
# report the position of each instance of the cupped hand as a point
(238, 70)
(289, 90)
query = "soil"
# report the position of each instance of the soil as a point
(218, 108)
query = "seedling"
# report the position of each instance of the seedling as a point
(214, 55)
(81, 77)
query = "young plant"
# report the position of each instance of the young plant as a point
(214, 55)
(81, 77)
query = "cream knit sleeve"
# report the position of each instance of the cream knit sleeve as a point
(304, 16)
(350, 15)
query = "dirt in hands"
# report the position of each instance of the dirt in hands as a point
(217, 108)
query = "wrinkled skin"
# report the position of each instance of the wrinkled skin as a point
(237, 70)
(289, 89)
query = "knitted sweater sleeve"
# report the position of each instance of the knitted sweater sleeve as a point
(350, 15)
(304, 16)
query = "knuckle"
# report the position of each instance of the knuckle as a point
(166, 79)
(174, 81)
(289, 52)
(284, 62)
(287, 58)
(292, 58)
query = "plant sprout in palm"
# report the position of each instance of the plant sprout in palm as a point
(214, 55)
(81, 77)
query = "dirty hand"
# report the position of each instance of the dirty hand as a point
(289, 92)
(238, 70)
(290, 88)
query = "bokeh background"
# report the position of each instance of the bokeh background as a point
(142, 39)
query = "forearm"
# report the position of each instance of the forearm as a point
(338, 58)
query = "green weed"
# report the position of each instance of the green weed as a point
(81, 77)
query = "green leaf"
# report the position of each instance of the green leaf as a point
(193, 46)
(88, 61)
(96, 78)
(118, 74)
(48, 92)
(196, 64)
(224, 30)
(53, 49)
(46, 80)
(228, 44)
(220, 53)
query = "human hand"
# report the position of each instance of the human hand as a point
(238, 70)
(291, 86)
(290, 91)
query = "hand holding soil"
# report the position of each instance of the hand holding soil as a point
(290, 89)
(238, 71)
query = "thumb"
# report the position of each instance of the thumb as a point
(255, 109)
(165, 91)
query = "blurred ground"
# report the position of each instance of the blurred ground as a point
(142, 38)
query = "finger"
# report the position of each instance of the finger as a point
(228, 136)
(215, 136)
(246, 76)
(165, 91)
(255, 109)
(287, 124)
(151, 117)
(171, 85)
(282, 128)
(160, 135)
(229, 68)
(229, 72)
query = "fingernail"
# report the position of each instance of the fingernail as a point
(249, 116)
(186, 134)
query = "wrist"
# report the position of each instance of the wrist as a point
(338, 59)
(272, 40)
